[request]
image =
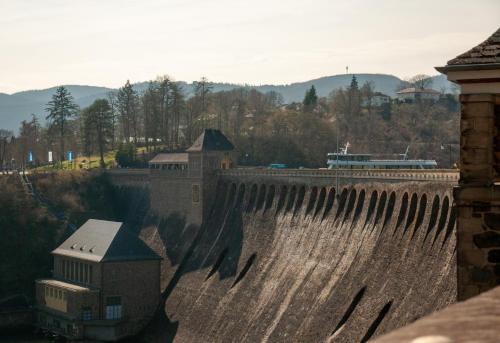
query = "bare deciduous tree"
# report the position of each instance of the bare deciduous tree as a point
(420, 81)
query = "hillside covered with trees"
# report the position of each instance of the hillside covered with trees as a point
(19, 106)
(263, 128)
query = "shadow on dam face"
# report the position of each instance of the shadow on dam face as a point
(279, 262)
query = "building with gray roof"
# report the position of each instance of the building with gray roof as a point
(105, 285)
(184, 182)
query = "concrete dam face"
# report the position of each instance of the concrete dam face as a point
(280, 260)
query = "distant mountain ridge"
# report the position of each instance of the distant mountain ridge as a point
(19, 106)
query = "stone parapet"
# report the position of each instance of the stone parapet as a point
(438, 175)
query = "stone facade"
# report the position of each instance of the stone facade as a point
(189, 191)
(137, 283)
(477, 196)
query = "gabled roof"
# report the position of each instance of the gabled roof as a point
(483, 56)
(104, 241)
(211, 140)
(170, 158)
(486, 52)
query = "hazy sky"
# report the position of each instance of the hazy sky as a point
(44, 43)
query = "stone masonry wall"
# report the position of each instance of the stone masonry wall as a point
(285, 261)
(478, 195)
(138, 284)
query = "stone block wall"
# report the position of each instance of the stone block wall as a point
(478, 239)
(138, 284)
(175, 195)
(478, 195)
(477, 133)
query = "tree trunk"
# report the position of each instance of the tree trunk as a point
(101, 146)
(62, 140)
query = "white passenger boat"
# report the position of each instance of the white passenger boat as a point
(345, 160)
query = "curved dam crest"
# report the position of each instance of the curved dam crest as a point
(279, 260)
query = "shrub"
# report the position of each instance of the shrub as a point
(125, 156)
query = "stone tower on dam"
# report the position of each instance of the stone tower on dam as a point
(184, 183)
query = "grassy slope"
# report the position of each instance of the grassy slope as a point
(88, 162)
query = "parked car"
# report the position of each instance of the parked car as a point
(277, 166)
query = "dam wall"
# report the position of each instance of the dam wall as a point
(285, 257)
(139, 178)
(191, 193)
(342, 177)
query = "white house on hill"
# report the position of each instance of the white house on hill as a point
(376, 100)
(414, 93)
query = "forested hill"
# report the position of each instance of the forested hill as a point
(19, 106)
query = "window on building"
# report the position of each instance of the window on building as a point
(87, 313)
(51, 292)
(81, 272)
(90, 274)
(196, 193)
(46, 291)
(72, 274)
(113, 307)
(86, 274)
(63, 266)
(59, 294)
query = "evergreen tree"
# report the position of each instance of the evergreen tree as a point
(354, 84)
(127, 108)
(310, 99)
(354, 97)
(98, 126)
(61, 108)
